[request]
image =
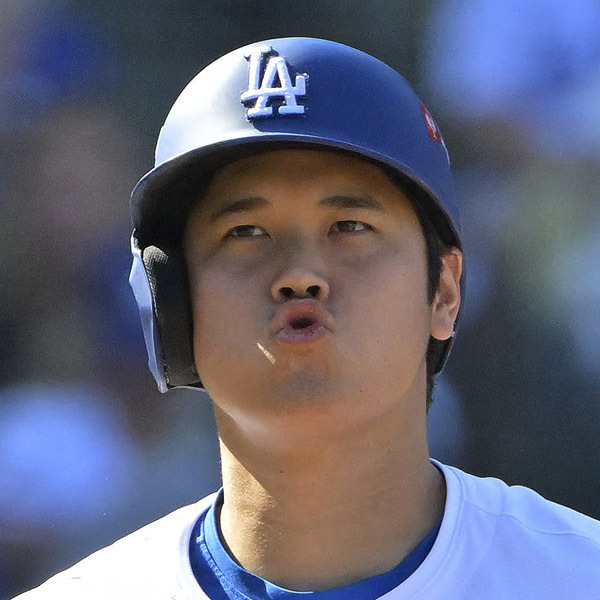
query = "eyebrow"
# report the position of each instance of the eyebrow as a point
(237, 206)
(351, 202)
(340, 201)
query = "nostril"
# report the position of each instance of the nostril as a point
(286, 292)
(313, 290)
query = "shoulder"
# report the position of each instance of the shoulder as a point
(522, 507)
(150, 562)
(511, 533)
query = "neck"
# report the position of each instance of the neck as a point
(318, 516)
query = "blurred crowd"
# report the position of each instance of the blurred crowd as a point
(89, 450)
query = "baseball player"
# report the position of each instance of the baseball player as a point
(297, 252)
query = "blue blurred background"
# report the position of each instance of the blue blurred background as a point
(88, 448)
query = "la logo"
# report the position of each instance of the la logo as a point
(262, 91)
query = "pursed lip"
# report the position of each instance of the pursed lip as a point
(301, 321)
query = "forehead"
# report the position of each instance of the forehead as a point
(330, 160)
(321, 172)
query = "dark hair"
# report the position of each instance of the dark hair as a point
(436, 247)
(435, 250)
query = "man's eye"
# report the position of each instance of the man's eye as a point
(349, 226)
(245, 231)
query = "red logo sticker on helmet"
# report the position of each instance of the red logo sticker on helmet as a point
(432, 129)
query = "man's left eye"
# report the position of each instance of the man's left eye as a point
(349, 226)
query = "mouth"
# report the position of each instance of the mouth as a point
(301, 322)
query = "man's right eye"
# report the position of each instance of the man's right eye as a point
(245, 231)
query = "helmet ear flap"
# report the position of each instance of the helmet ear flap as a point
(167, 275)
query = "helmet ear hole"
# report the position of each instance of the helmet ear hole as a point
(168, 280)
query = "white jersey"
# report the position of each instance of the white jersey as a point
(495, 542)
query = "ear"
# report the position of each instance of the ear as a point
(447, 298)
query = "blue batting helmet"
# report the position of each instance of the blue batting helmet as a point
(290, 92)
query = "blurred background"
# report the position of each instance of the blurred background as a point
(89, 450)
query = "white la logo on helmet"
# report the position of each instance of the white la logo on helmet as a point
(263, 91)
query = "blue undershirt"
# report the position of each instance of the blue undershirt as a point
(222, 578)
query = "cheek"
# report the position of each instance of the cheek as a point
(394, 279)
(222, 305)
(393, 314)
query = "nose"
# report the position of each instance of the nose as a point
(299, 282)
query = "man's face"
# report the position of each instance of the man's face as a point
(308, 278)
